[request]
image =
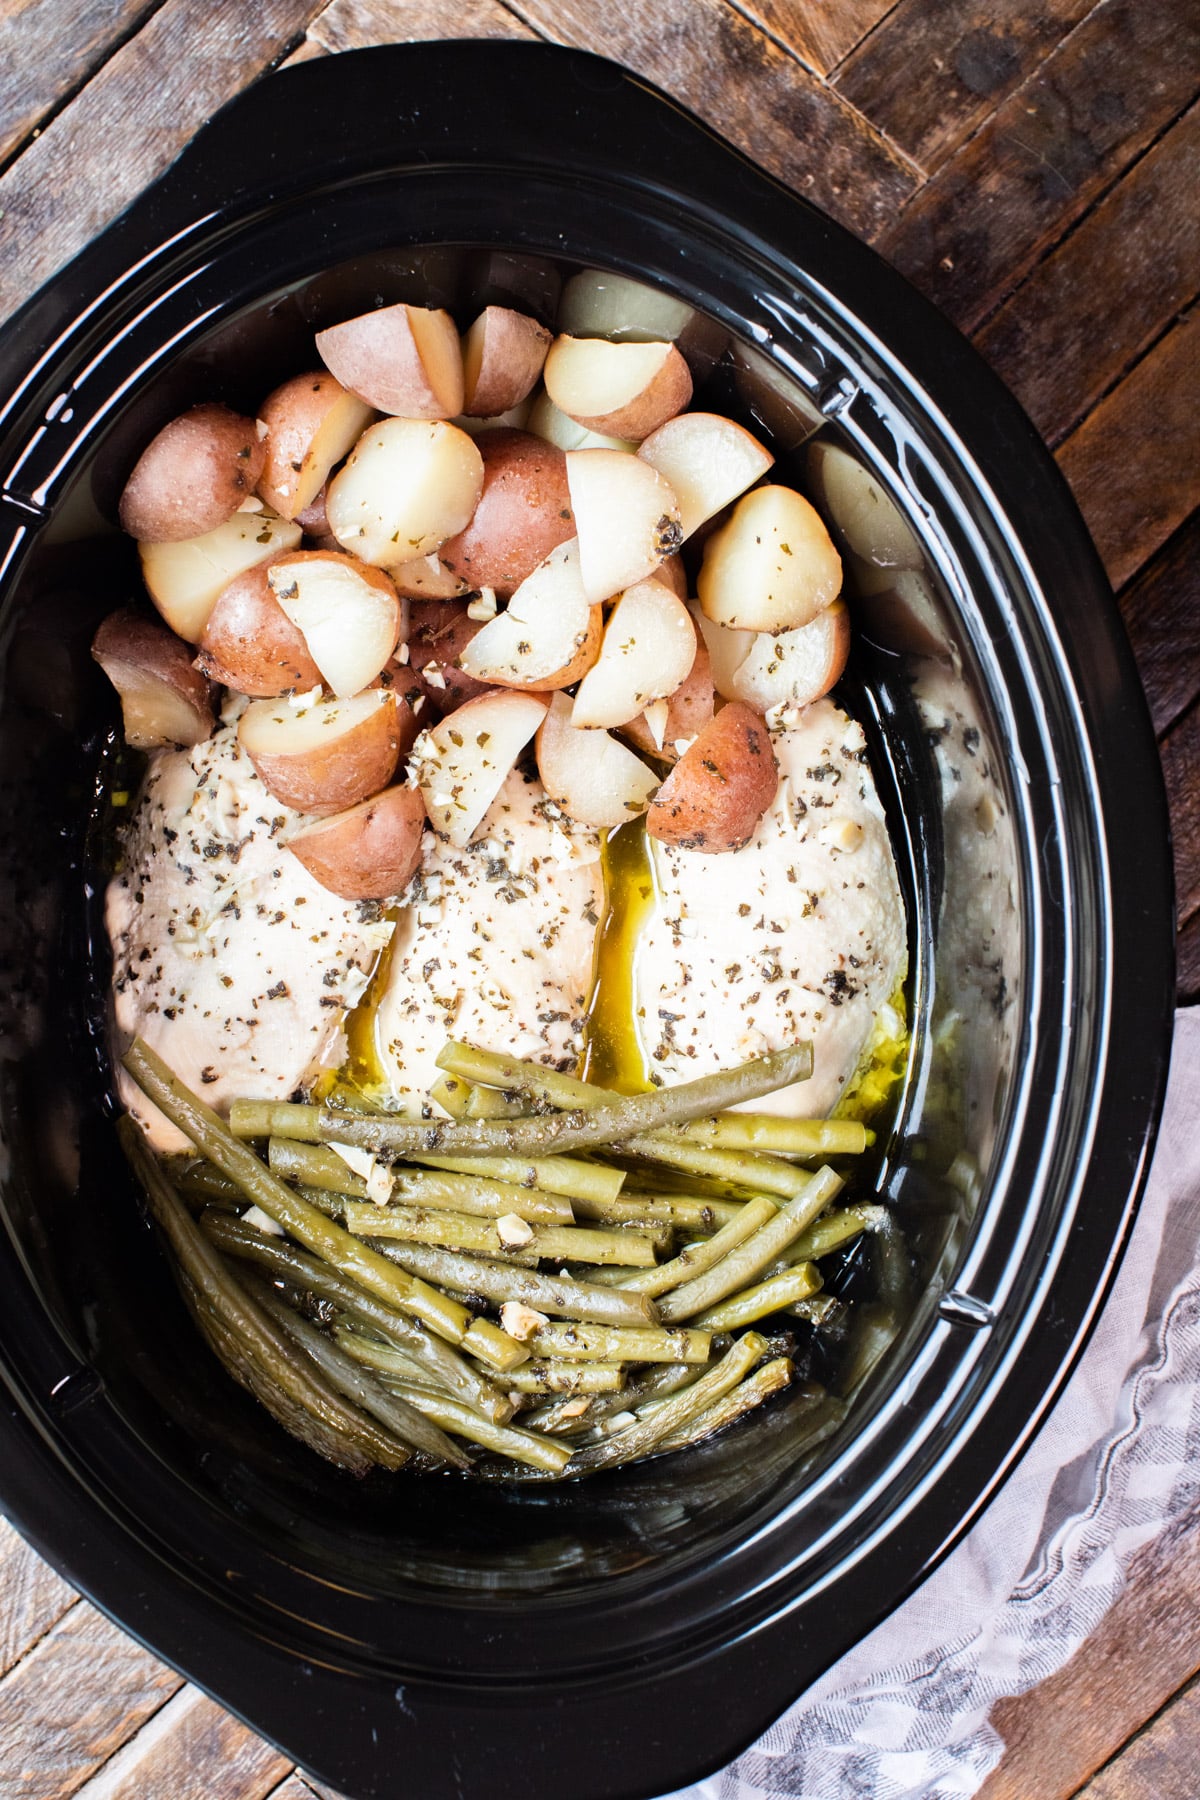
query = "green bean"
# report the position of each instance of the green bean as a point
(750, 1258)
(249, 1345)
(303, 1221)
(316, 1166)
(397, 1416)
(491, 1103)
(829, 1233)
(819, 1311)
(694, 1259)
(274, 1118)
(780, 1136)
(499, 1282)
(741, 1170)
(521, 1446)
(451, 1095)
(657, 1381)
(614, 1120)
(428, 1351)
(760, 1301)
(192, 1175)
(620, 1343)
(563, 1415)
(389, 1360)
(458, 1231)
(749, 1393)
(675, 1413)
(688, 1212)
(567, 1175)
(551, 1376)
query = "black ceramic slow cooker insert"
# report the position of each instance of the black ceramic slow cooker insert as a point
(621, 1636)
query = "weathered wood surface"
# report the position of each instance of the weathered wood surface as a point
(1032, 167)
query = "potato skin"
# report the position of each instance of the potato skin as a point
(438, 630)
(524, 512)
(143, 659)
(192, 476)
(719, 790)
(251, 645)
(369, 852)
(689, 711)
(338, 773)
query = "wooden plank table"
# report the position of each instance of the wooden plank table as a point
(1032, 166)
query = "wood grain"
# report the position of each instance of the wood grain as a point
(1105, 293)
(1161, 610)
(935, 69)
(294, 1788)
(48, 48)
(1162, 1763)
(190, 1750)
(1133, 500)
(74, 1700)
(821, 35)
(1066, 1728)
(1181, 767)
(750, 90)
(32, 1597)
(1034, 166)
(353, 24)
(143, 106)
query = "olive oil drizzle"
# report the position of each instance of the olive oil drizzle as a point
(613, 1055)
(361, 1073)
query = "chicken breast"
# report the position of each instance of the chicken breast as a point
(799, 935)
(229, 958)
(495, 945)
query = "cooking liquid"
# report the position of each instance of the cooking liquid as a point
(613, 1056)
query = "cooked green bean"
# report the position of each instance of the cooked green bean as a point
(192, 1175)
(689, 1213)
(458, 1231)
(506, 1440)
(820, 1310)
(308, 1226)
(428, 1351)
(749, 1259)
(779, 1136)
(759, 1302)
(567, 1175)
(741, 1170)
(274, 1118)
(451, 1095)
(657, 1381)
(497, 1281)
(397, 1416)
(620, 1343)
(316, 1166)
(645, 1434)
(253, 1350)
(766, 1380)
(551, 1376)
(614, 1120)
(833, 1230)
(694, 1259)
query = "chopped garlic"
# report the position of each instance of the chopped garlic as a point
(300, 701)
(262, 428)
(520, 1321)
(842, 834)
(513, 1231)
(433, 675)
(683, 745)
(483, 607)
(402, 655)
(252, 504)
(655, 716)
(262, 1221)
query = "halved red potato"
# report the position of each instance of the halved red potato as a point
(772, 565)
(347, 611)
(727, 649)
(251, 645)
(163, 698)
(549, 635)
(463, 762)
(708, 461)
(720, 788)
(597, 304)
(192, 476)
(327, 755)
(407, 486)
(503, 353)
(673, 575)
(312, 421)
(648, 650)
(403, 360)
(313, 520)
(438, 633)
(546, 421)
(865, 517)
(681, 717)
(595, 779)
(793, 668)
(523, 512)
(626, 390)
(426, 578)
(185, 578)
(369, 852)
(626, 519)
(514, 418)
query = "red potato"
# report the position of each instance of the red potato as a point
(402, 360)
(312, 423)
(648, 650)
(184, 580)
(708, 461)
(406, 487)
(327, 755)
(313, 520)
(720, 788)
(626, 518)
(688, 710)
(546, 421)
(503, 353)
(790, 669)
(524, 512)
(513, 418)
(626, 390)
(772, 565)
(163, 698)
(594, 779)
(426, 578)
(192, 476)
(371, 851)
(672, 574)
(727, 649)
(251, 645)
(865, 517)
(549, 635)
(598, 304)
(438, 633)
(347, 611)
(463, 762)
